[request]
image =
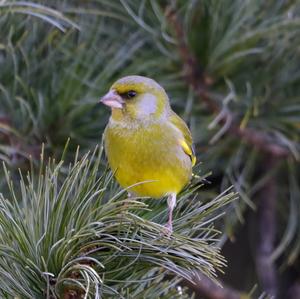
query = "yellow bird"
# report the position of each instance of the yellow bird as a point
(148, 146)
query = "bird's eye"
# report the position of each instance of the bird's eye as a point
(130, 94)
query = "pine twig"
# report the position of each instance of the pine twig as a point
(261, 141)
(207, 288)
(265, 267)
(294, 291)
(200, 83)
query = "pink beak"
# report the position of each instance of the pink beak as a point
(112, 99)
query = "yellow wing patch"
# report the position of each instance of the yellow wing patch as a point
(186, 142)
(188, 150)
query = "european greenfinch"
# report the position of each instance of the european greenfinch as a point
(148, 146)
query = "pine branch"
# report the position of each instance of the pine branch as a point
(294, 291)
(207, 288)
(200, 83)
(85, 239)
(265, 267)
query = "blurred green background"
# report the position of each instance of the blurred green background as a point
(231, 70)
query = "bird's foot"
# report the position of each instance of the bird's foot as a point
(168, 229)
(127, 200)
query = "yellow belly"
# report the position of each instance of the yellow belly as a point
(149, 159)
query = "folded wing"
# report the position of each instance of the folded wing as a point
(186, 142)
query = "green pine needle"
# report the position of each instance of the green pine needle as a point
(68, 229)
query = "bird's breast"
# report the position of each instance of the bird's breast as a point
(148, 156)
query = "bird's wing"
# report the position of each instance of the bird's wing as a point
(186, 142)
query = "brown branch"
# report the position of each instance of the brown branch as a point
(294, 291)
(4, 121)
(265, 267)
(17, 143)
(207, 288)
(200, 83)
(260, 141)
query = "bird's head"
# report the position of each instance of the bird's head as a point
(136, 97)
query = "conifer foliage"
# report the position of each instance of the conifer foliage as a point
(231, 69)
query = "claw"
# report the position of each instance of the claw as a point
(168, 229)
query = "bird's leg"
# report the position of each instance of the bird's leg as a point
(171, 206)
